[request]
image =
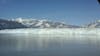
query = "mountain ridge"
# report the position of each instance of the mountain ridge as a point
(42, 23)
(33, 23)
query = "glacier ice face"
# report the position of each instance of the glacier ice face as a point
(55, 31)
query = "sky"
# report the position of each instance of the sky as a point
(76, 12)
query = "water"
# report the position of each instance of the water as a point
(24, 44)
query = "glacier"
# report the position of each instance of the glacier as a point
(54, 31)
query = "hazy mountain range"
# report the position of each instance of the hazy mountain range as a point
(95, 24)
(33, 23)
(5, 24)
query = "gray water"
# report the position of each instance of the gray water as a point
(47, 45)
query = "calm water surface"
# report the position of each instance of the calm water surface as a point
(49, 45)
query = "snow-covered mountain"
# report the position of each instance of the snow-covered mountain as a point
(95, 24)
(5, 24)
(33, 23)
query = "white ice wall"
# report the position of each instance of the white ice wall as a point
(54, 31)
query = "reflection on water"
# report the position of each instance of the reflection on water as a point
(49, 45)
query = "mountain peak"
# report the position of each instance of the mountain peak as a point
(98, 21)
(42, 23)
